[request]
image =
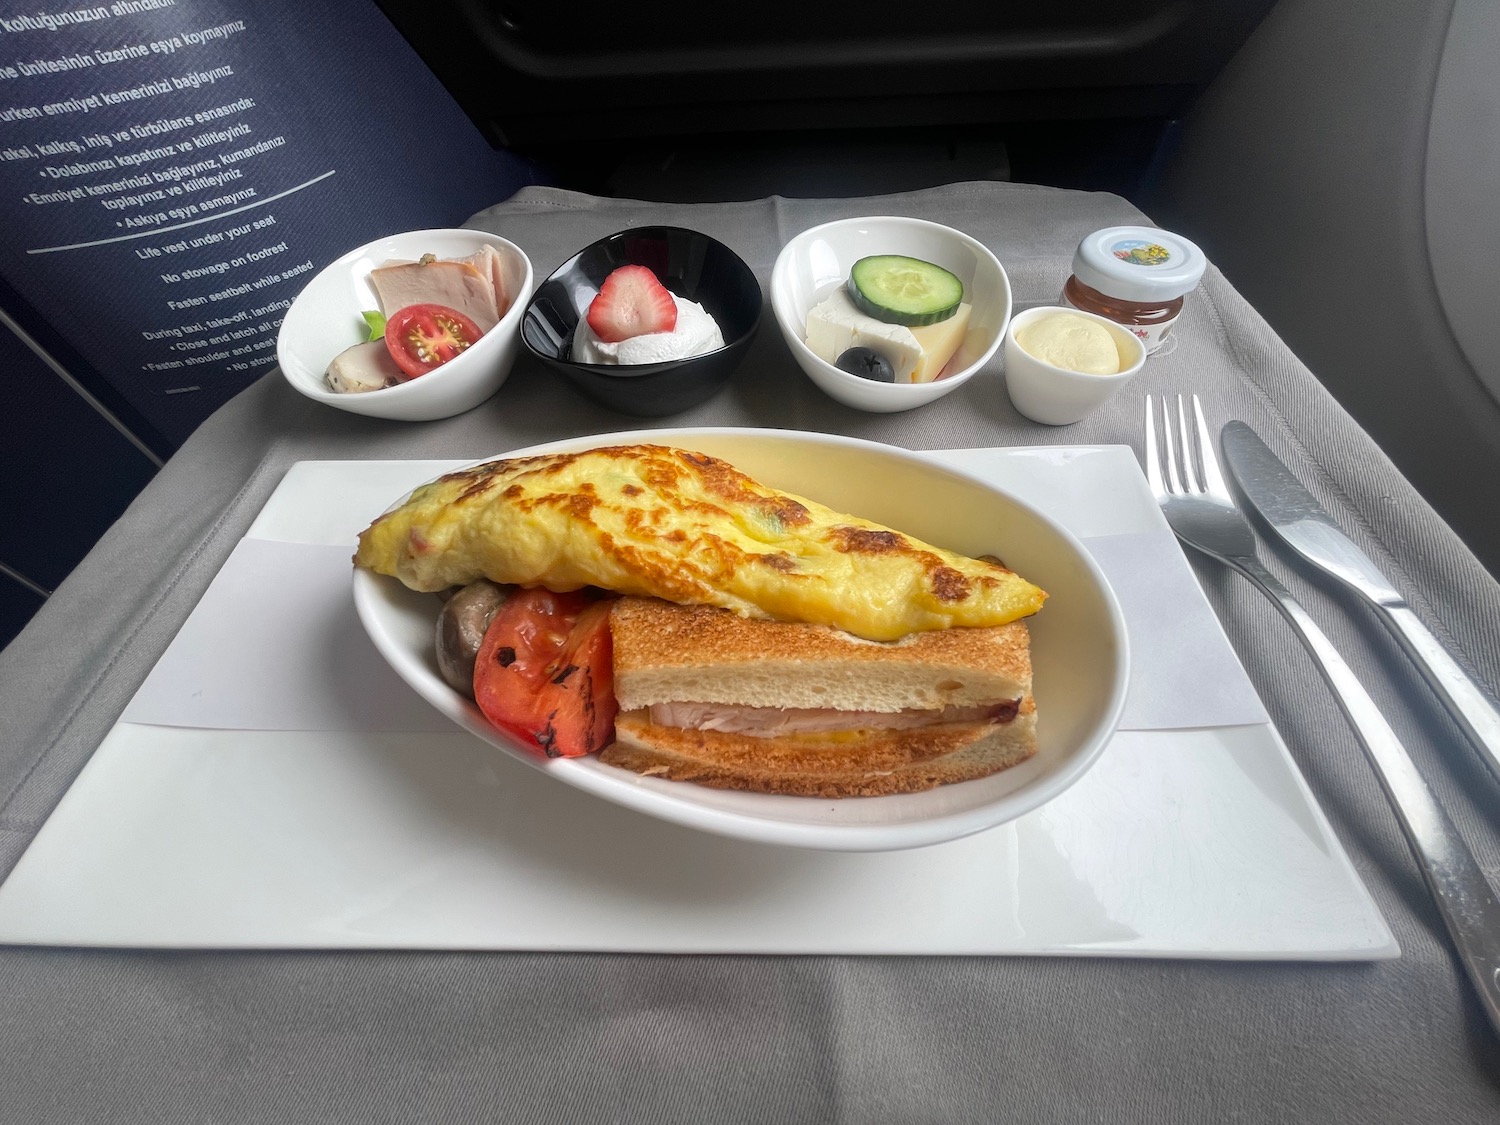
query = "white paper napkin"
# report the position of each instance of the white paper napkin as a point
(275, 644)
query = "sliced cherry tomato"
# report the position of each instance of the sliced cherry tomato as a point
(422, 337)
(545, 672)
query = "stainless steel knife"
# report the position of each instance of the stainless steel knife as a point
(1297, 517)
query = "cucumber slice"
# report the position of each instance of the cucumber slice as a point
(901, 290)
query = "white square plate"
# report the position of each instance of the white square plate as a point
(1178, 843)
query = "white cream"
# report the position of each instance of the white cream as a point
(696, 332)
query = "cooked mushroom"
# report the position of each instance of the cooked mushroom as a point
(460, 631)
(364, 367)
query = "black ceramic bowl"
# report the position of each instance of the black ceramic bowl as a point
(691, 265)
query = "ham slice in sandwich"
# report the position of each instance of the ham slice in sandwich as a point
(775, 707)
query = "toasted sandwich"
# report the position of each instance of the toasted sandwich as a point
(706, 695)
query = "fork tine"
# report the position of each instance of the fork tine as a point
(1153, 462)
(1186, 438)
(1213, 480)
(1174, 484)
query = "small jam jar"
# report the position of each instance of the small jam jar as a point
(1136, 277)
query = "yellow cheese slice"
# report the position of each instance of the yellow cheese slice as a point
(939, 341)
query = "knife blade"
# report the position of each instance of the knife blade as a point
(1295, 515)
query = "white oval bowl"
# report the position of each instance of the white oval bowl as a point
(1079, 650)
(326, 318)
(818, 259)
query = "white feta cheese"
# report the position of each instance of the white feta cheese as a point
(835, 326)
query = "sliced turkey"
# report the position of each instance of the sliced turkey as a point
(475, 285)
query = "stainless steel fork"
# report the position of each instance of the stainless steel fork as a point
(1184, 475)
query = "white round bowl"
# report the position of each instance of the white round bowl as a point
(1079, 650)
(1056, 396)
(817, 260)
(326, 318)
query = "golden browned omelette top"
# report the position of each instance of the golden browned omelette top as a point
(668, 523)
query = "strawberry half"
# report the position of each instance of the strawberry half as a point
(631, 302)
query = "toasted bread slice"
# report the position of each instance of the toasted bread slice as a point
(857, 764)
(669, 653)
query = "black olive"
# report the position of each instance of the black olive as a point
(867, 364)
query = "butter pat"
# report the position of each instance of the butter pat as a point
(1074, 343)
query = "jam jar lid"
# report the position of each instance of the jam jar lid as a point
(1141, 264)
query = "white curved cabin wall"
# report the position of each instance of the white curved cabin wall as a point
(1463, 185)
(1344, 172)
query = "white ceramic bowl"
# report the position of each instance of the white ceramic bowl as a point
(326, 318)
(819, 259)
(1056, 396)
(1079, 656)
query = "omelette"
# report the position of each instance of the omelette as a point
(689, 528)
